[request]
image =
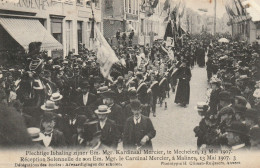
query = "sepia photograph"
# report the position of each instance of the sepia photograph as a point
(129, 83)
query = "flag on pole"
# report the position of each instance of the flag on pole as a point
(106, 56)
(238, 11)
(169, 32)
(242, 7)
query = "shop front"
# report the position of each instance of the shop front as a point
(61, 26)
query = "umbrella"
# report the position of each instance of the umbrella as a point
(223, 40)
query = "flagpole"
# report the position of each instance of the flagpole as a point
(215, 16)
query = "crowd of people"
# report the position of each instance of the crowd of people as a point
(230, 117)
(68, 103)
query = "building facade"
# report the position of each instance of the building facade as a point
(153, 26)
(128, 15)
(246, 27)
(68, 21)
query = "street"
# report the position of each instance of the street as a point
(174, 126)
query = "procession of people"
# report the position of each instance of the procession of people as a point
(230, 116)
(69, 103)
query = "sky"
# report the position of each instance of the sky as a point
(207, 4)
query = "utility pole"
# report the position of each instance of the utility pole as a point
(191, 25)
(215, 16)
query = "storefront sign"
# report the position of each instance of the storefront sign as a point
(40, 4)
(34, 4)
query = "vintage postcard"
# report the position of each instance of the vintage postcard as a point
(129, 83)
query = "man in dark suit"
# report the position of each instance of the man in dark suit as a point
(237, 136)
(52, 138)
(120, 92)
(78, 139)
(109, 131)
(138, 130)
(116, 110)
(141, 89)
(87, 99)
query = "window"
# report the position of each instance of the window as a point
(79, 2)
(68, 36)
(79, 32)
(88, 27)
(130, 6)
(126, 6)
(56, 29)
(97, 4)
(137, 6)
(142, 25)
(133, 7)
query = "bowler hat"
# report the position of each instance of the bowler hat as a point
(224, 95)
(91, 129)
(135, 105)
(242, 101)
(81, 119)
(238, 127)
(132, 93)
(226, 110)
(84, 84)
(120, 80)
(47, 116)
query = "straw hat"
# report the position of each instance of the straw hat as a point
(102, 109)
(49, 105)
(34, 134)
(56, 97)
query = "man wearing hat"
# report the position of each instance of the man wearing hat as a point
(36, 137)
(207, 132)
(52, 138)
(224, 99)
(214, 96)
(78, 139)
(237, 136)
(120, 92)
(141, 89)
(225, 116)
(256, 95)
(49, 106)
(183, 89)
(239, 107)
(86, 99)
(57, 99)
(154, 87)
(70, 122)
(109, 131)
(138, 130)
(116, 112)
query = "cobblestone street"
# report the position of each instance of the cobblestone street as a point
(174, 126)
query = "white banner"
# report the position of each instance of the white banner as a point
(106, 56)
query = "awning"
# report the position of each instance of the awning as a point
(25, 31)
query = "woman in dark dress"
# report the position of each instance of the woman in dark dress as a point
(183, 75)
